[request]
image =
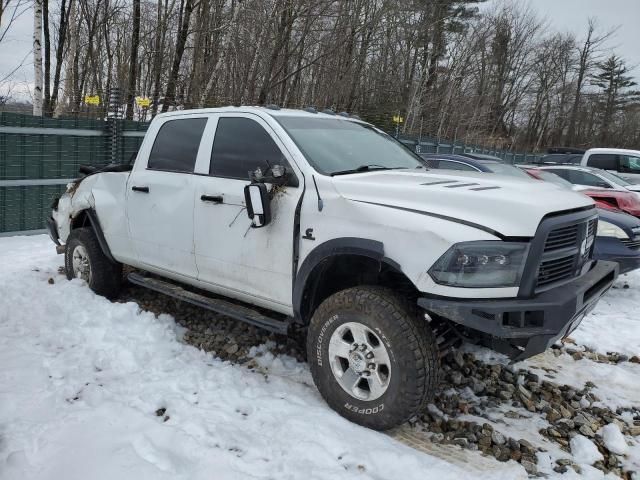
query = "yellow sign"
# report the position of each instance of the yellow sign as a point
(143, 102)
(398, 119)
(92, 99)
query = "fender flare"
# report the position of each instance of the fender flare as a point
(338, 246)
(97, 230)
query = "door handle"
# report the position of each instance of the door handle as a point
(140, 189)
(212, 198)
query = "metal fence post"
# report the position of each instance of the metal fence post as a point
(113, 115)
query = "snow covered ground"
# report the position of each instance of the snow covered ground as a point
(101, 390)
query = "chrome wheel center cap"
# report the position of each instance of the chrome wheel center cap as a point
(357, 361)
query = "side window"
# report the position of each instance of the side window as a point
(630, 164)
(606, 161)
(583, 178)
(176, 145)
(240, 146)
(456, 166)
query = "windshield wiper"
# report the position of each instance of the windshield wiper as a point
(364, 168)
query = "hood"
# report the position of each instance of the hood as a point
(511, 206)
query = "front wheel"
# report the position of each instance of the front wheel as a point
(372, 358)
(84, 258)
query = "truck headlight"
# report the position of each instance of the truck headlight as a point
(606, 229)
(482, 264)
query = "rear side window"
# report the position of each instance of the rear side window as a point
(176, 146)
(241, 146)
(578, 177)
(630, 163)
(606, 161)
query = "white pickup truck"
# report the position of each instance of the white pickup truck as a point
(291, 219)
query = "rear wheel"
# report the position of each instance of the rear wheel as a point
(372, 358)
(85, 259)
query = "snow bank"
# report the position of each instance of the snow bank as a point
(613, 439)
(584, 450)
(84, 383)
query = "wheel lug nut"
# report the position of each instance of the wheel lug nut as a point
(354, 347)
(369, 355)
(371, 366)
(363, 347)
(366, 373)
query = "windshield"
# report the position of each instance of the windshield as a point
(334, 145)
(510, 170)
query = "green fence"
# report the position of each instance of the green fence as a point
(39, 156)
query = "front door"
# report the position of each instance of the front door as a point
(251, 264)
(160, 197)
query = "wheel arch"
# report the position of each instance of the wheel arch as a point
(343, 263)
(88, 218)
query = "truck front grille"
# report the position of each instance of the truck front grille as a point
(561, 238)
(566, 249)
(552, 271)
(632, 243)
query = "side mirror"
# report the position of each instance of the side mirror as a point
(603, 185)
(256, 196)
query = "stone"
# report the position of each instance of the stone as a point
(231, 349)
(505, 395)
(477, 386)
(529, 466)
(498, 438)
(635, 359)
(461, 441)
(553, 415)
(458, 358)
(524, 392)
(586, 431)
(526, 446)
(456, 378)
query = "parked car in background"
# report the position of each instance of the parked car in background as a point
(628, 202)
(562, 158)
(625, 163)
(591, 177)
(618, 234)
(481, 156)
(445, 161)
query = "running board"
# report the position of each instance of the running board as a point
(223, 307)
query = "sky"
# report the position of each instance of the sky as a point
(561, 15)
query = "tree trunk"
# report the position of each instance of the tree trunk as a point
(183, 32)
(37, 58)
(133, 60)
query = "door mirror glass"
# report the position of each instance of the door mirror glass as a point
(256, 197)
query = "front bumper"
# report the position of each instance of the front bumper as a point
(52, 227)
(522, 328)
(613, 250)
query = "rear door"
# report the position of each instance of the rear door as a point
(160, 196)
(252, 264)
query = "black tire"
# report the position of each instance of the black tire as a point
(410, 345)
(105, 275)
